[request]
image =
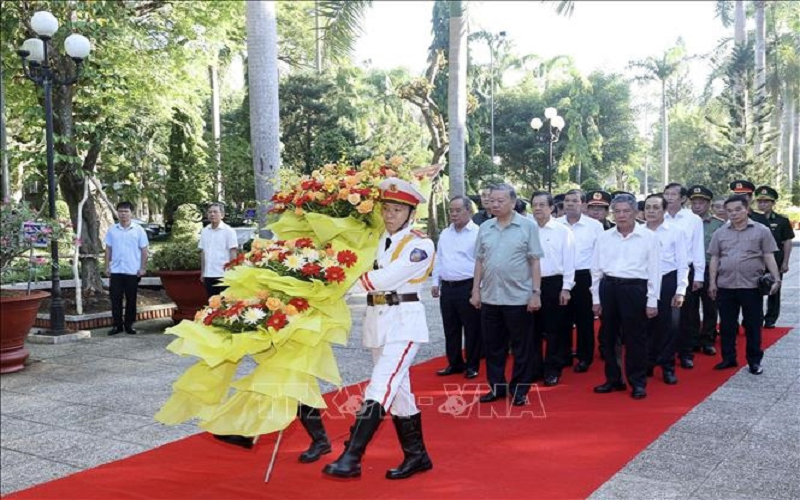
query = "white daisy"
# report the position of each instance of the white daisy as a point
(253, 315)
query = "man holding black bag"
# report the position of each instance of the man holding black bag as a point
(739, 251)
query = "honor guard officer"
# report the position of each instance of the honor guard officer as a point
(704, 333)
(744, 188)
(394, 327)
(597, 203)
(782, 231)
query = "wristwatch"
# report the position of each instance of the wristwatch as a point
(537, 291)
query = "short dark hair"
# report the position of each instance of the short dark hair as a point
(737, 197)
(684, 191)
(580, 193)
(125, 204)
(660, 197)
(547, 196)
(464, 201)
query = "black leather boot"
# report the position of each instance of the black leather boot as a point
(368, 420)
(415, 457)
(245, 442)
(311, 420)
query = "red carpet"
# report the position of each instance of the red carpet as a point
(574, 442)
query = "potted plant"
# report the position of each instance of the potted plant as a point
(21, 230)
(177, 263)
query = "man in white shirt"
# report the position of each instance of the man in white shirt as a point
(662, 331)
(585, 231)
(453, 271)
(558, 277)
(126, 261)
(692, 225)
(218, 245)
(626, 283)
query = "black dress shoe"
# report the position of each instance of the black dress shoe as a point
(115, 330)
(756, 369)
(769, 325)
(551, 380)
(638, 393)
(581, 367)
(650, 371)
(610, 387)
(491, 396)
(725, 364)
(519, 400)
(241, 441)
(131, 331)
(709, 350)
(449, 371)
(669, 377)
(687, 363)
(471, 374)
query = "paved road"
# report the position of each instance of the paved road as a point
(80, 405)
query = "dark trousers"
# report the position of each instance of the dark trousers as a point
(703, 331)
(774, 303)
(213, 286)
(578, 312)
(501, 325)
(662, 331)
(459, 316)
(623, 302)
(750, 302)
(548, 323)
(123, 285)
(690, 324)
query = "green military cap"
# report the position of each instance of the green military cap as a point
(698, 191)
(766, 193)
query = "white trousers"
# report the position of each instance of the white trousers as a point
(390, 384)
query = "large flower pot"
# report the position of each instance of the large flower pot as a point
(17, 318)
(186, 290)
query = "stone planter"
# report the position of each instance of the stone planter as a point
(19, 314)
(186, 290)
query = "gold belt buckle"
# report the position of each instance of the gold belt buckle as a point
(379, 300)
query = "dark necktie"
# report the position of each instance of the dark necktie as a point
(388, 243)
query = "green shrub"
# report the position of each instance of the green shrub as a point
(188, 223)
(181, 255)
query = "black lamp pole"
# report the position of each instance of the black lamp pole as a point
(42, 74)
(551, 136)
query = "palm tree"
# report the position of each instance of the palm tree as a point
(660, 70)
(339, 22)
(761, 75)
(262, 65)
(457, 97)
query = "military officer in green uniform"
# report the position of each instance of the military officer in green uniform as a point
(782, 231)
(700, 198)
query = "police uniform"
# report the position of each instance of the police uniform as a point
(603, 199)
(781, 229)
(393, 328)
(744, 187)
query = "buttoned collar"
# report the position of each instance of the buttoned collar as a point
(638, 230)
(222, 225)
(396, 236)
(471, 226)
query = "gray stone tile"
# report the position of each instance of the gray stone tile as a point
(625, 486)
(92, 454)
(738, 395)
(156, 434)
(692, 444)
(710, 493)
(715, 425)
(758, 483)
(58, 413)
(767, 453)
(44, 444)
(13, 428)
(670, 468)
(23, 471)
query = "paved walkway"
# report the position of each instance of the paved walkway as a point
(80, 405)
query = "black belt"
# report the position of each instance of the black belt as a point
(457, 283)
(391, 299)
(624, 281)
(553, 277)
(582, 271)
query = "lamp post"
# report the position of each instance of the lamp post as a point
(555, 125)
(500, 36)
(36, 66)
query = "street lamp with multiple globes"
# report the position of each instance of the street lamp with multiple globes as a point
(555, 126)
(36, 66)
(499, 38)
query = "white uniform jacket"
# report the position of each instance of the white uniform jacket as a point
(401, 268)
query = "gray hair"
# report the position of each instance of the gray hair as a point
(465, 201)
(508, 188)
(625, 198)
(218, 205)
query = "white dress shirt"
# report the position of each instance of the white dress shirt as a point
(635, 256)
(672, 243)
(558, 244)
(692, 225)
(586, 231)
(455, 257)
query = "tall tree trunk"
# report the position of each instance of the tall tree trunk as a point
(457, 98)
(795, 176)
(664, 134)
(215, 132)
(787, 134)
(761, 76)
(5, 192)
(740, 39)
(262, 63)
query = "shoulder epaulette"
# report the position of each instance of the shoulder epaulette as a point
(418, 233)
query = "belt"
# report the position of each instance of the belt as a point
(553, 277)
(457, 283)
(624, 281)
(391, 299)
(583, 271)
